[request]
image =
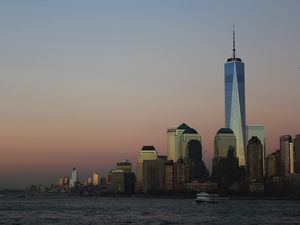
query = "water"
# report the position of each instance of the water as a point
(105, 210)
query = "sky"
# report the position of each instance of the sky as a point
(88, 83)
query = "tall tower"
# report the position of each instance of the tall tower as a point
(286, 155)
(235, 116)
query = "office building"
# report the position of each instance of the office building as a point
(124, 165)
(95, 179)
(146, 153)
(74, 177)
(235, 114)
(178, 139)
(297, 154)
(225, 163)
(224, 140)
(153, 175)
(121, 182)
(169, 175)
(117, 181)
(271, 165)
(259, 132)
(181, 174)
(197, 168)
(286, 155)
(254, 160)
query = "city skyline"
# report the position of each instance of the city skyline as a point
(87, 85)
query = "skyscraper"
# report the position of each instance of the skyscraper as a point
(235, 116)
(153, 174)
(224, 140)
(287, 155)
(297, 154)
(254, 159)
(178, 139)
(95, 179)
(146, 153)
(74, 177)
(124, 165)
(225, 163)
(259, 132)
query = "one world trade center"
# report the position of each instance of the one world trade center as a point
(235, 117)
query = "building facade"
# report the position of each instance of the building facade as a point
(271, 165)
(178, 139)
(124, 165)
(297, 154)
(74, 177)
(259, 132)
(225, 163)
(146, 153)
(254, 163)
(153, 175)
(95, 179)
(117, 181)
(235, 114)
(286, 155)
(224, 140)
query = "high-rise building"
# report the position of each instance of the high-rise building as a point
(95, 179)
(235, 116)
(178, 139)
(297, 154)
(259, 132)
(146, 153)
(197, 168)
(169, 175)
(224, 140)
(121, 181)
(74, 177)
(254, 159)
(153, 175)
(124, 165)
(225, 163)
(117, 181)
(271, 165)
(286, 155)
(181, 174)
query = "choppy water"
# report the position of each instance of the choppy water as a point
(104, 210)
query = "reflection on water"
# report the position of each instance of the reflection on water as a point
(78, 210)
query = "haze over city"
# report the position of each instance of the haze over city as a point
(88, 83)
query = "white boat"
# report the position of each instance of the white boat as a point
(212, 198)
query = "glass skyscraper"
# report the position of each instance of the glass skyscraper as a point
(235, 117)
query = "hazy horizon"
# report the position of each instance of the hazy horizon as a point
(88, 83)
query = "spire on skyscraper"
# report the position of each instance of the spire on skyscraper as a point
(233, 57)
(233, 42)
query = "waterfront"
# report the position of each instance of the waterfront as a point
(131, 210)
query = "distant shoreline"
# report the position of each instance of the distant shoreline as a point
(25, 194)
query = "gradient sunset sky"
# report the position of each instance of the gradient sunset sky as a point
(88, 83)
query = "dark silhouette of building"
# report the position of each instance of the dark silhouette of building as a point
(273, 164)
(255, 158)
(286, 155)
(169, 175)
(297, 154)
(226, 170)
(153, 175)
(225, 164)
(124, 165)
(197, 168)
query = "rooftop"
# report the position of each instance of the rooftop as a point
(148, 148)
(225, 131)
(187, 129)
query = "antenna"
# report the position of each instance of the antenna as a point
(233, 42)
